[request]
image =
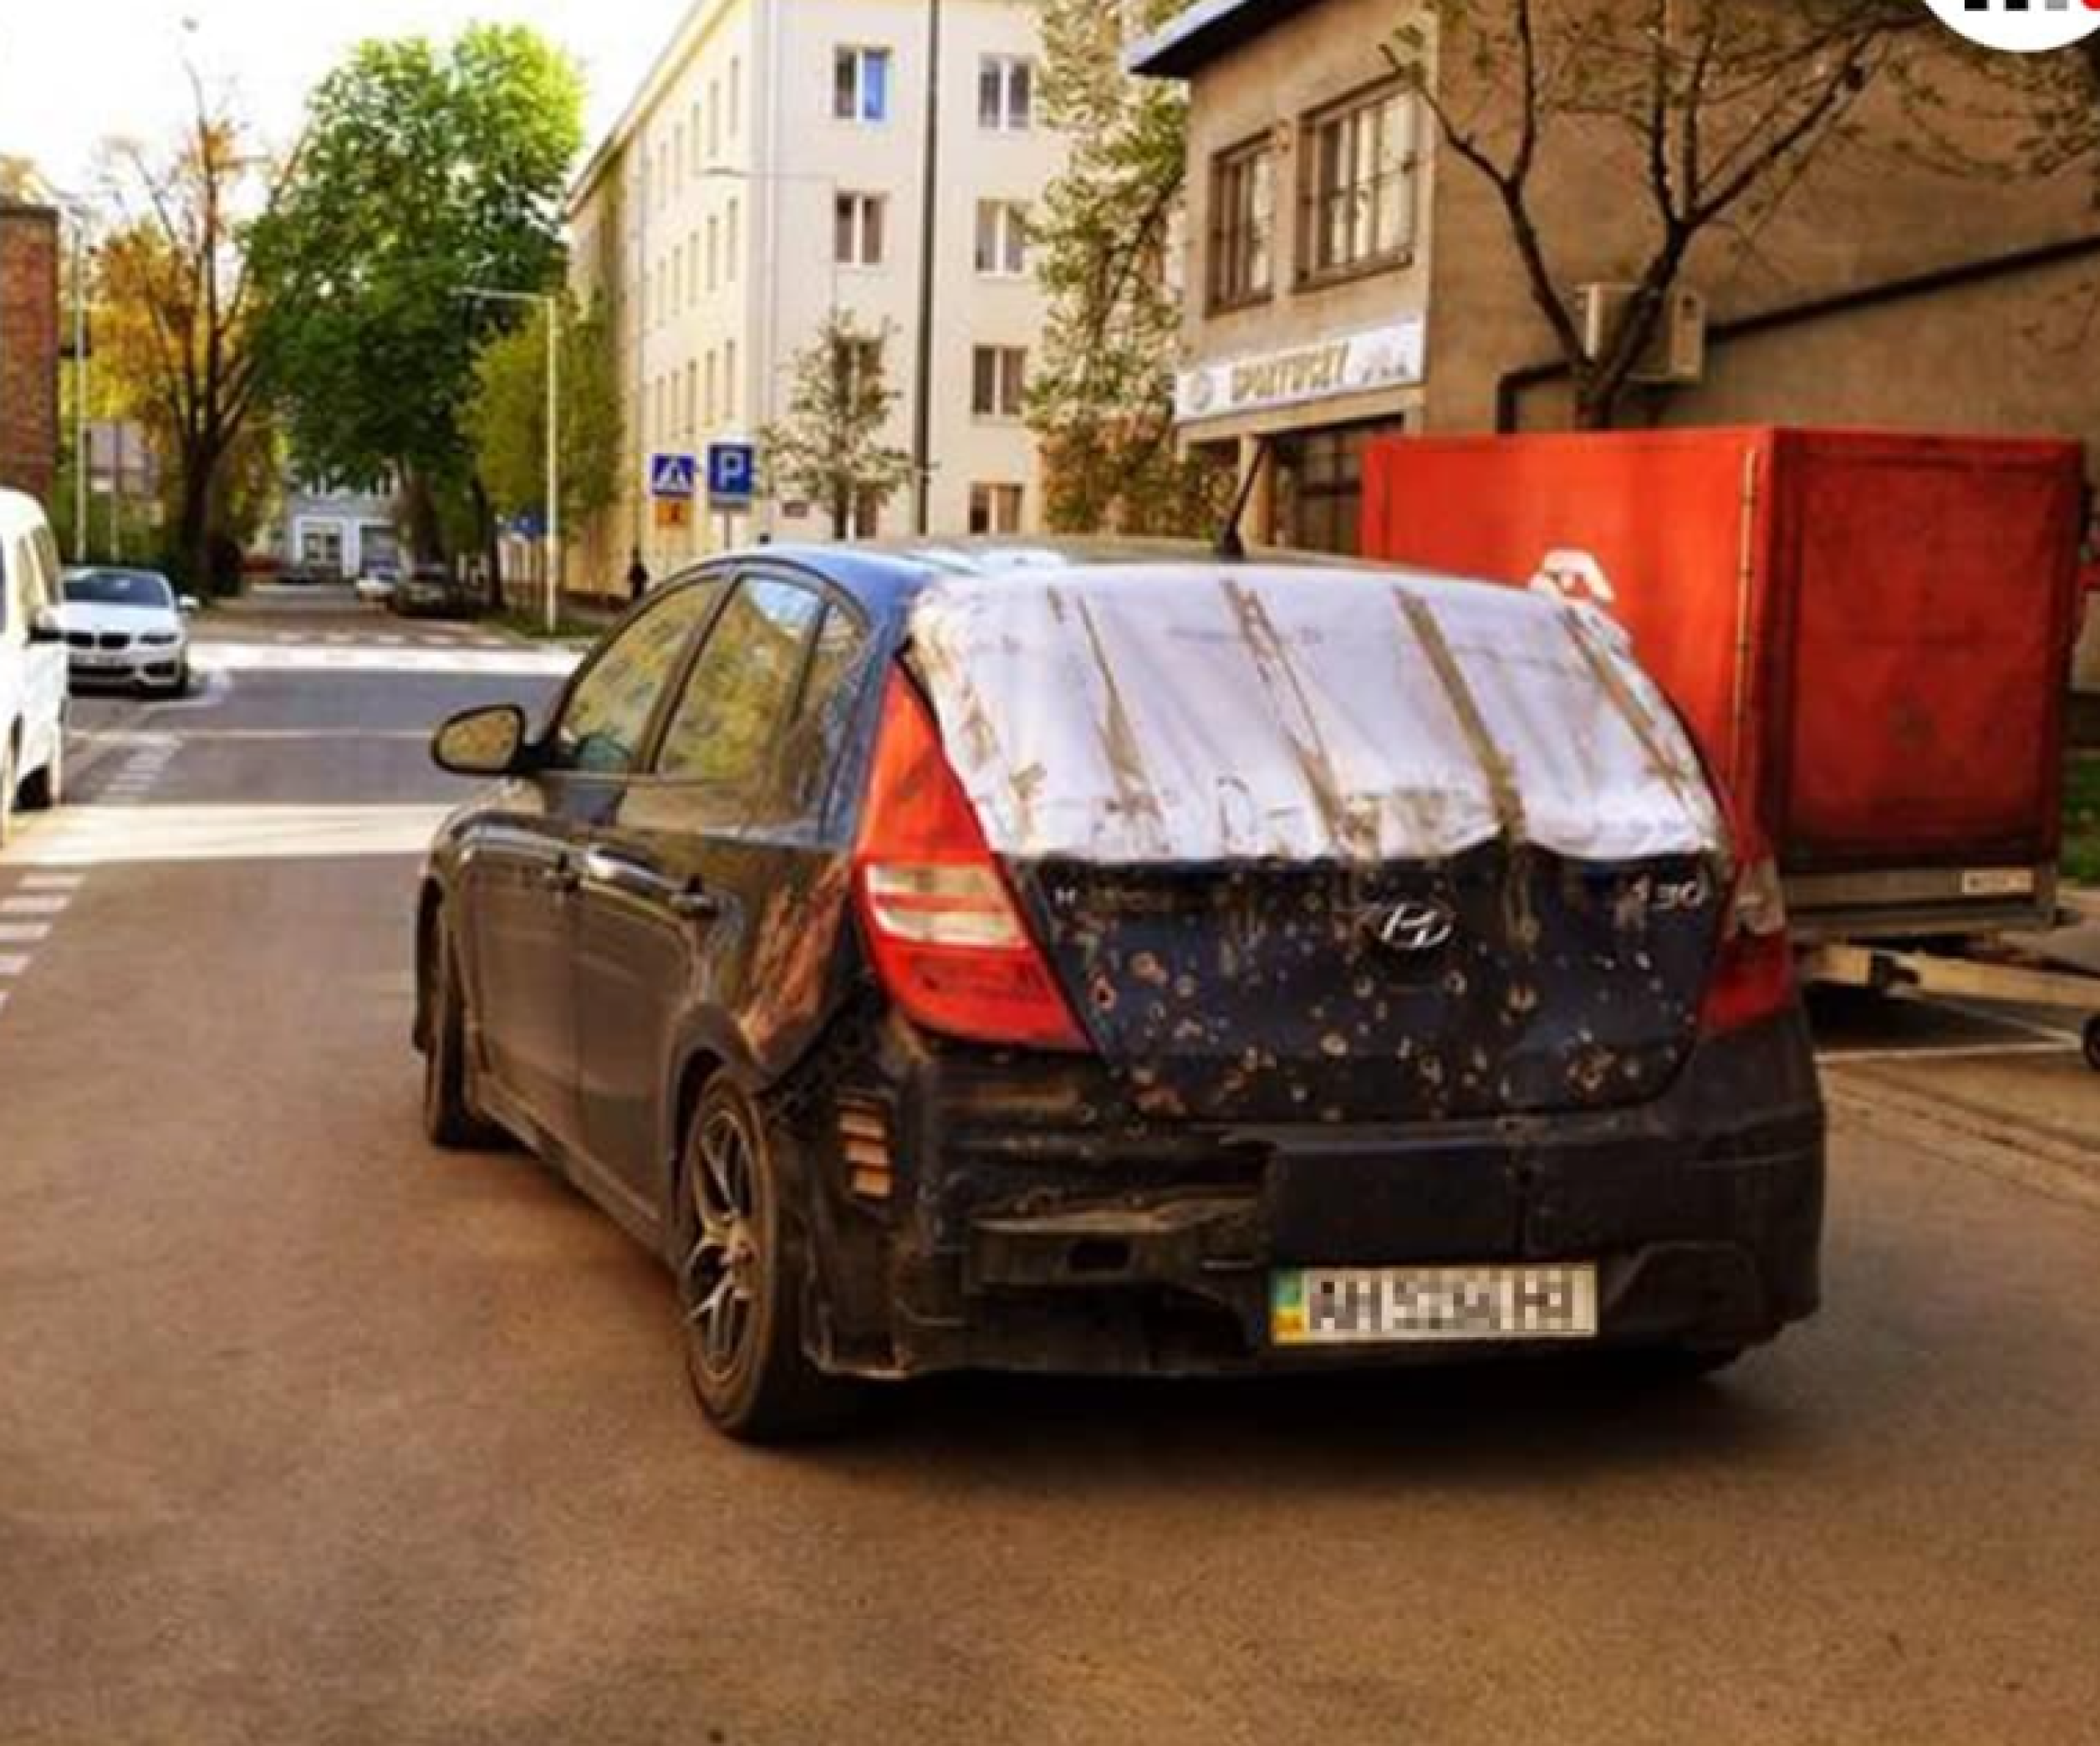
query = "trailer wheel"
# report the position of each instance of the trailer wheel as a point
(2093, 1043)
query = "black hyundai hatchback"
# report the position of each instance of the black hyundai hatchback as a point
(1057, 957)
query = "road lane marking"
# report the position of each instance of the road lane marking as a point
(53, 905)
(24, 933)
(53, 881)
(98, 836)
(13, 966)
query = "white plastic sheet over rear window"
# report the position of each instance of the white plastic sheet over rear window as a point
(1203, 712)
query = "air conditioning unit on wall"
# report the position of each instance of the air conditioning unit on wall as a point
(1675, 356)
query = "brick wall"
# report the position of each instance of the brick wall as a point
(29, 349)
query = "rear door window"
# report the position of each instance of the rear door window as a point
(722, 735)
(810, 749)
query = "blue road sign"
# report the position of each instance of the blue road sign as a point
(673, 475)
(732, 474)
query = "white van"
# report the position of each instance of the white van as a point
(33, 662)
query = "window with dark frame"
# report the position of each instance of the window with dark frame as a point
(1359, 175)
(1243, 225)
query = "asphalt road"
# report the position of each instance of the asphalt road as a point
(309, 1433)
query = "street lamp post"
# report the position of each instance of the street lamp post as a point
(550, 305)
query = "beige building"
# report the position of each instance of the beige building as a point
(774, 164)
(1348, 278)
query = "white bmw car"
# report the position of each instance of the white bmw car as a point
(127, 627)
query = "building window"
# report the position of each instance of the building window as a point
(1319, 486)
(1006, 94)
(714, 252)
(692, 397)
(714, 117)
(711, 388)
(860, 85)
(736, 95)
(729, 380)
(998, 380)
(1002, 238)
(857, 230)
(730, 248)
(1359, 195)
(859, 361)
(1242, 226)
(994, 508)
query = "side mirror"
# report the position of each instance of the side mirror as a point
(47, 626)
(486, 742)
(189, 606)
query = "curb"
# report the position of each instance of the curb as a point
(2041, 1161)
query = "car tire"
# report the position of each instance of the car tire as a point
(46, 789)
(741, 1264)
(449, 1117)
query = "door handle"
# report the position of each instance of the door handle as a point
(562, 878)
(687, 900)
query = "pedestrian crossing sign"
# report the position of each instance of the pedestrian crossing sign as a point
(673, 477)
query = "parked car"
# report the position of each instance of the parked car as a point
(376, 585)
(431, 590)
(1057, 958)
(128, 627)
(33, 663)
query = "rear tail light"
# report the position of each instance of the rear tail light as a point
(1753, 976)
(946, 935)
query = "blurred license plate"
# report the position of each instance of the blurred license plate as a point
(1313, 1306)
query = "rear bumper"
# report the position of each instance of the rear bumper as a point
(1012, 1238)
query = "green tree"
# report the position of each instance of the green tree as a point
(1101, 398)
(506, 417)
(424, 171)
(1722, 103)
(829, 446)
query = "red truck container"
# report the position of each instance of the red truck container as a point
(1870, 634)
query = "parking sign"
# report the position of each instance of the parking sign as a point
(732, 474)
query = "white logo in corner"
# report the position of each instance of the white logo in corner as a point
(1575, 577)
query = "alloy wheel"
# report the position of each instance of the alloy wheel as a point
(724, 1271)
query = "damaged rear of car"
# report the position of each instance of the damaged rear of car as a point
(1272, 967)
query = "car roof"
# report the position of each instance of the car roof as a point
(885, 574)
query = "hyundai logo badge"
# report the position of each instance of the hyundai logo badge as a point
(1413, 929)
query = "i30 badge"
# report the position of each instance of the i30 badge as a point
(1413, 929)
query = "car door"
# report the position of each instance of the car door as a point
(670, 904)
(520, 860)
(47, 677)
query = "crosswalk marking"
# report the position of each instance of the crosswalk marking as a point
(493, 658)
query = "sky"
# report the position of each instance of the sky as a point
(73, 71)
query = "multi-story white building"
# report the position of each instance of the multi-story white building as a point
(774, 163)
